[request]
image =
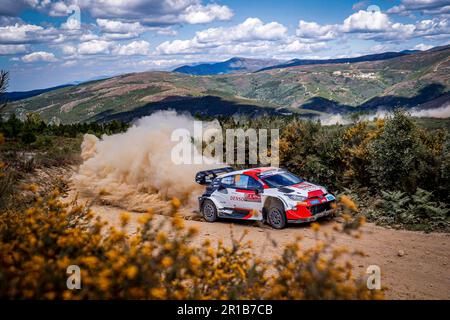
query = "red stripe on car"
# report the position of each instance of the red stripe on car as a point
(245, 191)
(315, 193)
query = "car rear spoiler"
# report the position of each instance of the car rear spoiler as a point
(207, 176)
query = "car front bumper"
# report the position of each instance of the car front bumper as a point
(312, 218)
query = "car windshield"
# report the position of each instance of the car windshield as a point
(281, 179)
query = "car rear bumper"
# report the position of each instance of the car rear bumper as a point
(312, 218)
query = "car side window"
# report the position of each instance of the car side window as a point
(241, 181)
(253, 183)
(228, 181)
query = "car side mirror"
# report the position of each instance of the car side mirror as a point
(221, 187)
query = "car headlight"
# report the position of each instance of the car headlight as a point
(295, 197)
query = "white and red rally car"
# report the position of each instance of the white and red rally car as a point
(265, 194)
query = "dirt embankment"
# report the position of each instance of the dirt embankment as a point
(414, 265)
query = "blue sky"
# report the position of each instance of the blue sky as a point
(51, 42)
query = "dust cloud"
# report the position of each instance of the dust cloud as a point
(134, 170)
(440, 112)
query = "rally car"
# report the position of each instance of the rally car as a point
(266, 194)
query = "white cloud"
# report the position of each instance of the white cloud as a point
(379, 48)
(299, 47)
(366, 21)
(204, 14)
(39, 56)
(88, 37)
(312, 30)
(61, 38)
(433, 27)
(9, 49)
(165, 31)
(429, 7)
(246, 48)
(133, 48)
(119, 36)
(68, 50)
(373, 25)
(18, 33)
(22, 33)
(118, 30)
(250, 38)
(423, 47)
(147, 12)
(94, 47)
(114, 26)
(69, 63)
(14, 7)
(8, 21)
(179, 47)
(249, 31)
(157, 12)
(395, 31)
(57, 8)
(118, 20)
(103, 47)
(71, 24)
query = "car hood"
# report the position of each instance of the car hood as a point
(304, 189)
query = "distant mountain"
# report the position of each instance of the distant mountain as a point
(370, 57)
(19, 95)
(410, 51)
(416, 80)
(233, 65)
(96, 78)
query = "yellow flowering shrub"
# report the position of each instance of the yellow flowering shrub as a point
(320, 272)
(159, 261)
(348, 203)
(354, 151)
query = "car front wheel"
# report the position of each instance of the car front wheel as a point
(276, 217)
(209, 211)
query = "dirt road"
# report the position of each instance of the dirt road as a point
(414, 265)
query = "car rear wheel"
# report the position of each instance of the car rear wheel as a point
(209, 211)
(276, 216)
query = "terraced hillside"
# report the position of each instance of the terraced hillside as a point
(419, 79)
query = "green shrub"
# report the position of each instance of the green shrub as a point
(44, 142)
(28, 137)
(423, 210)
(396, 157)
(417, 212)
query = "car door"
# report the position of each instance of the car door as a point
(222, 194)
(246, 202)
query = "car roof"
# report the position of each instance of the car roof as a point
(250, 172)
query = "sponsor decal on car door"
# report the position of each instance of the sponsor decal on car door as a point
(222, 195)
(245, 201)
